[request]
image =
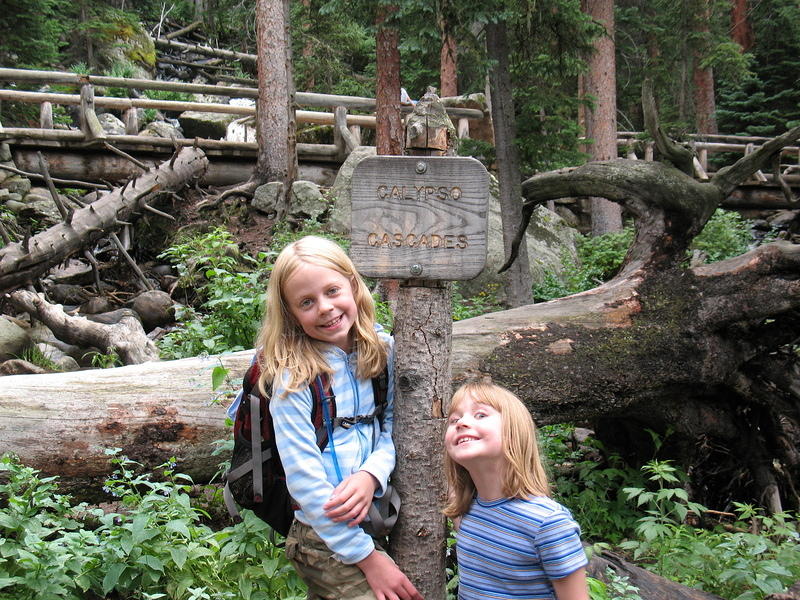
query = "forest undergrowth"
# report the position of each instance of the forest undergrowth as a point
(165, 539)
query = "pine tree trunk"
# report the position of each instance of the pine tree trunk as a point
(601, 120)
(448, 69)
(703, 77)
(389, 126)
(275, 124)
(741, 30)
(518, 277)
(423, 334)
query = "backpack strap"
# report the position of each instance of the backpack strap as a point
(380, 391)
(322, 396)
(255, 447)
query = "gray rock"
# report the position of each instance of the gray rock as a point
(155, 308)
(39, 205)
(12, 201)
(42, 334)
(782, 219)
(17, 366)
(73, 271)
(13, 339)
(97, 305)
(3, 173)
(111, 124)
(17, 185)
(63, 361)
(265, 198)
(204, 124)
(307, 201)
(161, 129)
(341, 190)
(67, 293)
(548, 239)
(5, 152)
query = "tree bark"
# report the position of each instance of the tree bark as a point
(518, 279)
(703, 77)
(601, 119)
(741, 30)
(422, 389)
(21, 263)
(389, 125)
(661, 345)
(448, 56)
(275, 123)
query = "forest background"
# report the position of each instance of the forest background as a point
(753, 57)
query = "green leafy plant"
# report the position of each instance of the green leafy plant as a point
(155, 547)
(284, 233)
(168, 95)
(481, 303)
(120, 69)
(230, 288)
(616, 587)
(756, 556)
(35, 356)
(725, 235)
(589, 482)
(106, 360)
(598, 260)
(383, 313)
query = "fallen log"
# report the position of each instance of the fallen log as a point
(125, 335)
(167, 44)
(61, 423)
(22, 262)
(651, 586)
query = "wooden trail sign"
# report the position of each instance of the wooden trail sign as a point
(419, 217)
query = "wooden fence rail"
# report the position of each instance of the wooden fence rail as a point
(347, 132)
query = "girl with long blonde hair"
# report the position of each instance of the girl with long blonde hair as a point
(513, 540)
(320, 320)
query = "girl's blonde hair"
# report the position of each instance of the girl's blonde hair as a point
(524, 474)
(285, 347)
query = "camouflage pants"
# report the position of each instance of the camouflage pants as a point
(326, 577)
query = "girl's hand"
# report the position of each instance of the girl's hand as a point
(351, 499)
(386, 580)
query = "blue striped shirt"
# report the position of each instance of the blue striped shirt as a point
(512, 548)
(311, 474)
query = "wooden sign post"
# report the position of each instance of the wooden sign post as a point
(421, 219)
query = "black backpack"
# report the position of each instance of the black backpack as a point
(260, 485)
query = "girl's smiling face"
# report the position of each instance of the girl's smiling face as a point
(321, 301)
(475, 435)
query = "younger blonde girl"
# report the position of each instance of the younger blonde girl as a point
(513, 540)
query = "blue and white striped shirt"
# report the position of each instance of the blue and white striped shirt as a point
(310, 474)
(512, 548)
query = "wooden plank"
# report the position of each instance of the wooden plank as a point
(90, 124)
(96, 166)
(46, 115)
(123, 104)
(301, 98)
(419, 217)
